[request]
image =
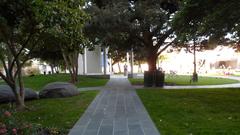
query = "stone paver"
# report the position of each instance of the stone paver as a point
(117, 110)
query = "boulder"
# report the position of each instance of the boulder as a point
(6, 94)
(58, 90)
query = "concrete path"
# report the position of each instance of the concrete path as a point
(117, 110)
(91, 88)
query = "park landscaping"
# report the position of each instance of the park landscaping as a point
(193, 111)
(39, 81)
(49, 116)
(58, 115)
(185, 80)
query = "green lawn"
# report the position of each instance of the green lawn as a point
(60, 113)
(185, 80)
(38, 81)
(91, 81)
(194, 111)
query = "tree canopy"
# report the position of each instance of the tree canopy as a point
(215, 19)
(147, 22)
(23, 28)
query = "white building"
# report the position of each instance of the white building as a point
(94, 62)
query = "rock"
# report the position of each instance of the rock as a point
(58, 90)
(6, 94)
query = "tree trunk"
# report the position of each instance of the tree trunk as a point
(119, 68)
(195, 75)
(69, 61)
(21, 94)
(21, 90)
(112, 69)
(152, 62)
(139, 67)
(20, 105)
(72, 68)
(76, 65)
(113, 63)
(52, 68)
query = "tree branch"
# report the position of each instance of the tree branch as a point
(4, 65)
(165, 47)
(163, 37)
(5, 78)
(141, 39)
(16, 56)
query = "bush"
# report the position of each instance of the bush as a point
(10, 125)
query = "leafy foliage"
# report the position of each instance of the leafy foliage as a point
(64, 20)
(26, 25)
(214, 18)
(141, 24)
(20, 28)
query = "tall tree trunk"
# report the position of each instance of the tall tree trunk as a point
(195, 75)
(52, 68)
(119, 68)
(21, 105)
(72, 68)
(21, 93)
(152, 62)
(71, 61)
(19, 100)
(112, 68)
(70, 64)
(76, 65)
(139, 67)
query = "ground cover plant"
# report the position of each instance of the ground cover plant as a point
(194, 111)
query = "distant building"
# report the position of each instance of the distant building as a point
(94, 62)
(222, 59)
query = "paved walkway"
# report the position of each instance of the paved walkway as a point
(117, 110)
(91, 88)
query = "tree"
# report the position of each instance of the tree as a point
(147, 21)
(214, 19)
(117, 56)
(139, 58)
(65, 20)
(20, 28)
(22, 24)
(197, 21)
(49, 52)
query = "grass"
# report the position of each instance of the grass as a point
(194, 111)
(91, 81)
(60, 113)
(37, 82)
(185, 80)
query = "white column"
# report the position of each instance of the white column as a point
(132, 62)
(104, 61)
(85, 61)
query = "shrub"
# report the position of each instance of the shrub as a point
(10, 125)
